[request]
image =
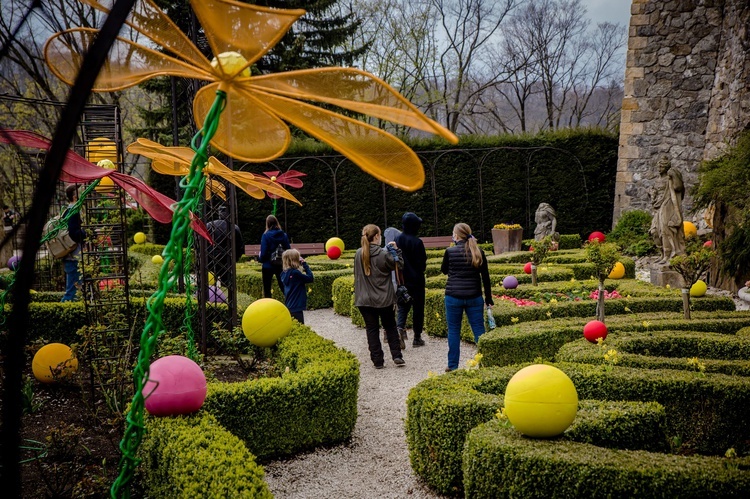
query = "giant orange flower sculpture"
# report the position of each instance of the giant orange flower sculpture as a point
(176, 161)
(254, 124)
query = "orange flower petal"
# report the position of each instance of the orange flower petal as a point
(248, 29)
(128, 64)
(246, 130)
(376, 152)
(351, 89)
(249, 182)
(165, 160)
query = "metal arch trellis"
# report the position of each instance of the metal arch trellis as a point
(431, 159)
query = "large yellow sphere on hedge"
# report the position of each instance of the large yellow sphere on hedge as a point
(698, 289)
(266, 321)
(689, 229)
(541, 401)
(53, 362)
(335, 241)
(618, 271)
(139, 238)
(157, 259)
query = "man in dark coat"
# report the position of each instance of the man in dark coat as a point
(415, 262)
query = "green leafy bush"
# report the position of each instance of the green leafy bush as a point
(631, 233)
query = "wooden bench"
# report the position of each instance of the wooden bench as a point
(303, 248)
(437, 241)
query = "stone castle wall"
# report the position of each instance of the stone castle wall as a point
(687, 90)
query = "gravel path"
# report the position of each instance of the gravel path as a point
(375, 463)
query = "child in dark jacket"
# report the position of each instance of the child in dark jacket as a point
(294, 283)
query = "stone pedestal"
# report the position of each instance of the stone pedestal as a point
(504, 240)
(662, 276)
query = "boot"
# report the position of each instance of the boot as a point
(402, 337)
(418, 341)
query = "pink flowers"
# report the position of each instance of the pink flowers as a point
(520, 302)
(607, 295)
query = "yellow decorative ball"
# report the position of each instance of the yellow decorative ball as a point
(101, 148)
(231, 62)
(541, 401)
(157, 259)
(139, 238)
(52, 362)
(689, 229)
(618, 271)
(698, 289)
(266, 321)
(335, 241)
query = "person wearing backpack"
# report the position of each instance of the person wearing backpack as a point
(294, 281)
(70, 261)
(273, 243)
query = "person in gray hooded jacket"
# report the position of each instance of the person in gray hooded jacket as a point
(374, 295)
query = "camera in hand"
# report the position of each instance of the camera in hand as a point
(402, 294)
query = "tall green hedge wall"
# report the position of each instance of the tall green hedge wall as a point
(483, 182)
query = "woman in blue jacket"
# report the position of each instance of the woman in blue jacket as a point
(273, 243)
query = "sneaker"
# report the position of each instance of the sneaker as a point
(379, 366)
(418, 342)
(399, 362)
(402, 337)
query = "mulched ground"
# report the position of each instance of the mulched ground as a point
(71, 445)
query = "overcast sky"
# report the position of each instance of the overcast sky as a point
(614, 11)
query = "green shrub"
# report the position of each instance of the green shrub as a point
(319, 292)
(631, 233)
(313, 403)
(194, 456)
(342, 291)
(499, 462)
(148, 249)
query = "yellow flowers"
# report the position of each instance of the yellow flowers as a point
(611, 356)
(627, 309)
(697, 364)
(474, 363)
(514, 319)
(553, 300)
(572, 279)
(549, 314)
(646, 324)
(600, 341)
(507, 226)
(431, 374)
(668, 286)
(500, 414)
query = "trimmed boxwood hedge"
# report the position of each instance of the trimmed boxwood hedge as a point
(709, 414)
(525, 342)
(719, 353)
(319, 291)
(499, 462)
(193, 456)
(313, 403)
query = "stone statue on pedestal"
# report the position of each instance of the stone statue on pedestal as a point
(546, 222)
(666, 229)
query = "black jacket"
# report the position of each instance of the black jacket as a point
(219, 231)
(412, 249)
(464, 280)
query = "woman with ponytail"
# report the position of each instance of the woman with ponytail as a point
(374, 295)
(467, 272)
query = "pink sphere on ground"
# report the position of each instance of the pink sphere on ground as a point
(216, 295)
(334, 252)
(593, 330)
(176, 385)
(527, 268)
(510, 282)
(597, 236)
(14, 262)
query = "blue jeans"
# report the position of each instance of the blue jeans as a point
(454, 309)
(72, 278)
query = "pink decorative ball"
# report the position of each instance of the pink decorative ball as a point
(334, 252)
(14, 262)
(708, 244)
(597, 236)
(594, 330)
(527, 268)
(510, 282)
(216, 295)
(176, 385)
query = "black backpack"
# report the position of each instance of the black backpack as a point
(276, 255)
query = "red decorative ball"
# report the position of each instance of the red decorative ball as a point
(594, 330)
(597, 236)
(708, 244)
(531, 248)
(334, 252)
(527, 268)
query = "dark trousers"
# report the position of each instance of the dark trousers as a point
(417, 305)
(300, 316)
(373, 318)
(267, 280)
